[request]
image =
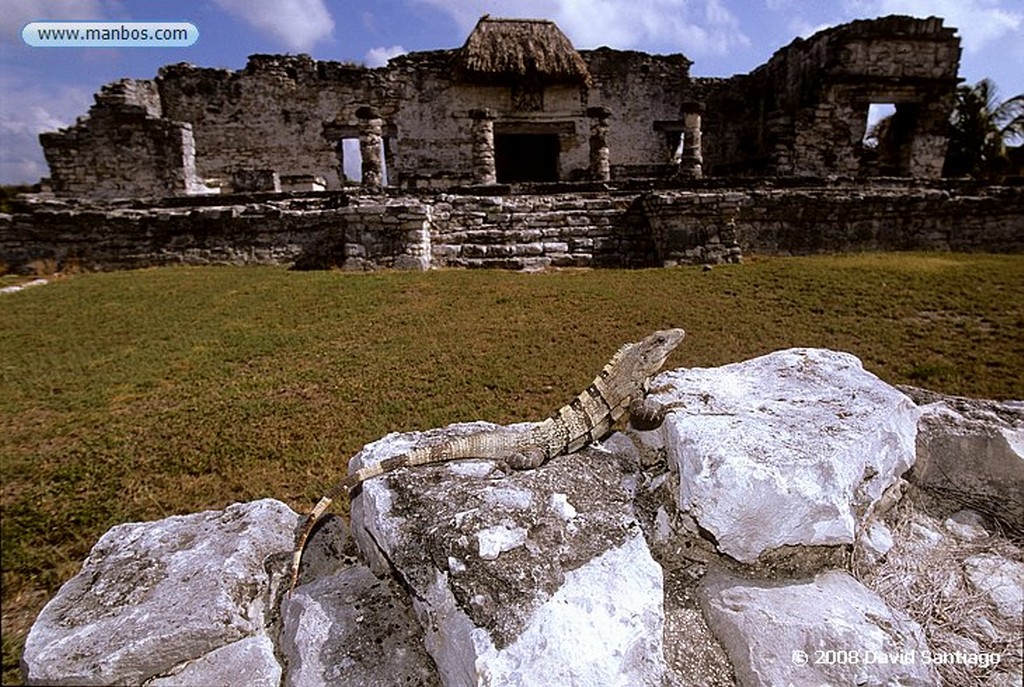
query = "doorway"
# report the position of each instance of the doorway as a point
(526, 157)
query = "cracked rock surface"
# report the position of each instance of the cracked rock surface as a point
(160, 598)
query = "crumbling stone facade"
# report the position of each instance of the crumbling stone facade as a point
(516, 103)
(805, 112)
(125, 147)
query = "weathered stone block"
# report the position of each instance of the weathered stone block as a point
(814, 438)
(154, 596)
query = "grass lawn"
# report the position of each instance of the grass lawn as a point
(136, 395)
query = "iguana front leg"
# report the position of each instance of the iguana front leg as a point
(645, 414)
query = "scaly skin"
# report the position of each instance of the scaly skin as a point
(618, 389)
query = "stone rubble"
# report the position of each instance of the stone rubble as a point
(972, 446)
(805, 439)
(599, 568)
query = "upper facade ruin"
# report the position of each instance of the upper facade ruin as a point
(517, 102)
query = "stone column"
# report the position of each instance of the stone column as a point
(600, 157)
(484, 170)
(692, 164)
(371, 128)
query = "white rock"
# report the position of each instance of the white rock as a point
(250, 661)
(976, 448)
(560, 504)
(827, 631)
(791, 448)
(154, 596)
(26, 285)
(1001, 579)
(557, 588)
(494, 541)
(875, 542)
(967, 525)
(603, 626)
(662, 525)
(923, 534)
(511, 498)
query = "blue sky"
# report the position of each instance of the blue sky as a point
(42, 89)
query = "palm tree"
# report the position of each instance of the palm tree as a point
(980, 129)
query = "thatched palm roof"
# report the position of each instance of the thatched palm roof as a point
(510, 50)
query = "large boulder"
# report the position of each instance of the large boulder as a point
(830, 630)
(535, 577)
(792, 448)
(184, 598)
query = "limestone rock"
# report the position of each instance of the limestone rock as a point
(175, 596)
(19, 287)
(875, 542)
(353, 628)
(1000, 579)
(792, 448)
(827, 631)
(966, 525)
(248, 661)
(974, 448)
(540, 577)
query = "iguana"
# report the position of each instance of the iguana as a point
(620, 387)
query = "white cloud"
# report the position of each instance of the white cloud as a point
(17, 13)
(694, 27)
(980, 21)
(35, 111)
(378, 57)
(805, 29)
(298, 24)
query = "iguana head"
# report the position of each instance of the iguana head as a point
(652, 352)
(638, 362)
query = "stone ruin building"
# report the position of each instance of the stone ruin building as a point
(517, 151)
(516, 103)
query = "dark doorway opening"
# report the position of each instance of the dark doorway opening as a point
(526, 157)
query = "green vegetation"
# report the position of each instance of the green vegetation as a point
(980, 130)
(8, 193)
(136, 395)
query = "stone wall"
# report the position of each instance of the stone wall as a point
(333, 230)
(708, 226)
(705, 223)
(805, 111)
(284, 113)
(646, 95)
(325, 232)
(124, 148)
(538, 231)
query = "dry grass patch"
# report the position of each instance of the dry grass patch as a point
(927, 580)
